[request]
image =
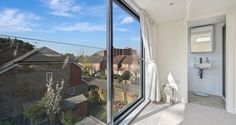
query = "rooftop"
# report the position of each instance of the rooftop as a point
(72, 101)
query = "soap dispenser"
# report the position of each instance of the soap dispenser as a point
(200, 60)
(195, 60)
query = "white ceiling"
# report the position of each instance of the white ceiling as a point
(162, 11)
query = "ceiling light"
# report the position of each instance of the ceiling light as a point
(171, 4)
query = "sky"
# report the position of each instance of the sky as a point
(81, 22)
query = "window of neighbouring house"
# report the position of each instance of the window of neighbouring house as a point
(72, 91)
(49, 77)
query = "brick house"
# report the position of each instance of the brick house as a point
(93, 63)
(98, 60)
(117, 63)
(118, 51)
(24, 79)
(131, 63)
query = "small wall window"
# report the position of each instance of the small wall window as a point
(72, 91)
(49, 76)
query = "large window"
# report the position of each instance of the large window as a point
(53, 62)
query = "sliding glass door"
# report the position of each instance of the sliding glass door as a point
(127, 56)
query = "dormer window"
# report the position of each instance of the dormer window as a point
(72, 91)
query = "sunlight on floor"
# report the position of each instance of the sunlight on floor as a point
(183, 114)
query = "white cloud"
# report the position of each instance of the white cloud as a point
(81, 27)
(136, 38)
(121, 29)
(85, 27)
(97, 10)
(127, 20)
(14, 20)
(62, 7)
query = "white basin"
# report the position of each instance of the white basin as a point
(202, 65)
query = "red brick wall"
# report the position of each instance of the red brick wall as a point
(75, 75)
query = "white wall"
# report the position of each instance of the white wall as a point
(171, 55)
(231, 61)
(212, 81)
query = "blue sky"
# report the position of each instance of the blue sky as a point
(70, 21)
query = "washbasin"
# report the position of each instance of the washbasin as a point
(202, 65)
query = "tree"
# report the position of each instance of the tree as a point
(117, 77)
(52, 100)
(35, 111)
(125, 77)
(93, 95)
(69, 118)
(102, 75)
(7, 122)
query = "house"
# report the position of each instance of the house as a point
(131, 63)
(97, 62)
(92, 63)
(117, 64)
(24, 79)
(118, 51)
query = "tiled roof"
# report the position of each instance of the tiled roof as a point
(47, 55)
(90, 121)
(11, 49)
(118, 59)
(72, 101)
(38, 55)
(9, 65)
(132, 59)
(92, 59)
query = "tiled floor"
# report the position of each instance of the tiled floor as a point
(183, 114)
(210, 101)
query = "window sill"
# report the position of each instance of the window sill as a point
(134, 113)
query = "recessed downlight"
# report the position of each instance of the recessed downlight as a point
(171, 4)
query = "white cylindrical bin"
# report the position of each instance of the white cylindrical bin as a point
(168, 94)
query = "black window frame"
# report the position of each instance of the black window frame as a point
(121, 115)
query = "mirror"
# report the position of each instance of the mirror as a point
(202, 39)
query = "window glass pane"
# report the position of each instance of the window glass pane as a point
(52, 62)
(126, 59)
